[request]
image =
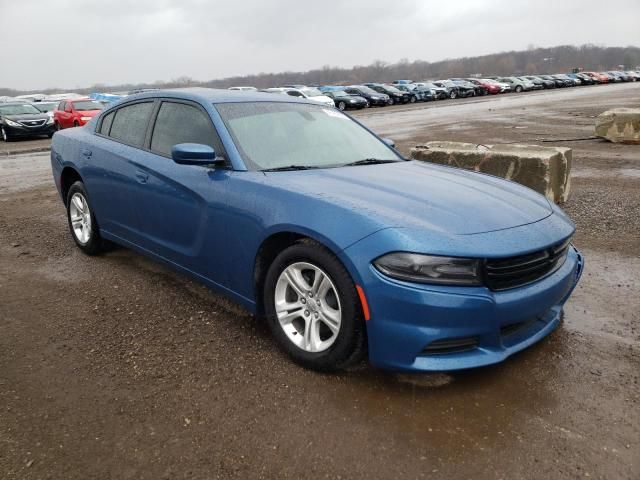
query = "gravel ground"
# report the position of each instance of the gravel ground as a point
(116, 367)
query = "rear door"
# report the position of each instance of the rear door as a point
(120, 136)
(180, 206)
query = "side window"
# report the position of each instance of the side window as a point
(181, 123)
(106, 123)
(67, 107)
(61, 106)
(130, 123)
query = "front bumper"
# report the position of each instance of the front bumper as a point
(23, 131)
(412, 325)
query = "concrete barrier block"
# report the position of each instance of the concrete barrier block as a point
(544, 169)
(619, 125)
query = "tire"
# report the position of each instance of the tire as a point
(412, 99)
(329, 349)
(49, 135)
(58, 127)
(390, 102)
(342, 106)
(518, 89)
(453, 95)
(5, 136)
(75, 123)
(84, 220)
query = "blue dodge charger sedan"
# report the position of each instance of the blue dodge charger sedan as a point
(312, 222)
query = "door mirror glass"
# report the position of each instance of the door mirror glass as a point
(193, 154)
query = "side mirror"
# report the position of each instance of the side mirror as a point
(193, 154)
(389, 142)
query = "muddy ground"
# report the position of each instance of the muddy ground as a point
(117, 368)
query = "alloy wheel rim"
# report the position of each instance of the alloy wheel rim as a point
(4, 135)
(80, 218)
(308, 307)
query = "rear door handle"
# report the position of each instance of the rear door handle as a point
(86, 152)
(142, 176)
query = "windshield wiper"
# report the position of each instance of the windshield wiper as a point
(369, 161)
(287, 168)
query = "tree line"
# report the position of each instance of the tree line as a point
(560, 59)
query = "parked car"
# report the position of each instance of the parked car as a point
(312, 94)
(568, 81)
(343, 100)
(244, 89)
(487, 86)
(418, 94)
(374, 98)
(453, 90)
(440, 93)
(427, 93)
(395, 95)
(559, 82)
(635, 76)
(538, 84)
(75, 113)
(21, 119)
(538, 80)
(310, 221)
(598, 77)
(585, 79)
(517, 84)
(470, 87)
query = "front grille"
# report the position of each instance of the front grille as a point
(505, 273)
(451, 345)
(32, 123)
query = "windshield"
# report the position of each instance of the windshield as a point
(87, 105)
(311, 92)
(24, 109)
(274, 135)
(46, 107)
(339, 93)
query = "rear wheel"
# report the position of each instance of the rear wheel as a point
(75, 123)
(82, 222)
(342, 106)
(390, 101)
(412, 99)
(518, 89)
(58, 127)
(313, 308)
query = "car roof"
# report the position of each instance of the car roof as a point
(214, 95)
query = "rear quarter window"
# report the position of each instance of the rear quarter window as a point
(105, 126)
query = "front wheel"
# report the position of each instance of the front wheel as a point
(342, 106)
(453, 95)
(390, 101)
(313, 308)
(518, 89)
(5, 136)
(82, 222)
(412, 99)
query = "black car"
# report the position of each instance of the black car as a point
(343, 100)
(415, 94)
(468, 88)
(19, 119)
(373, 97)
(454, 90)
(558, 82)
(395, 95)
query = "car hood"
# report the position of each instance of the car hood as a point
(29, 116)
(418, 195)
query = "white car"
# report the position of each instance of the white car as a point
(244, 89)
(309, 93)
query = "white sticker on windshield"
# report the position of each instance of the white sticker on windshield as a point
(334, 113)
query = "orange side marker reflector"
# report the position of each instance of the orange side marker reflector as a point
(363, 301)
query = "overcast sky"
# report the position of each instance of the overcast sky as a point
(67, 43)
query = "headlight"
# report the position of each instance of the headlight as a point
(85, 119)
(413, 267)
(12, 123)
(49, 120)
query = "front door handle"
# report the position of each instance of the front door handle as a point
(142, 176)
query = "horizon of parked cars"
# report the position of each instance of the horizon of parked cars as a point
(40, 114)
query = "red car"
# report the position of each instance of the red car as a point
(75, 113)
(489, 86)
